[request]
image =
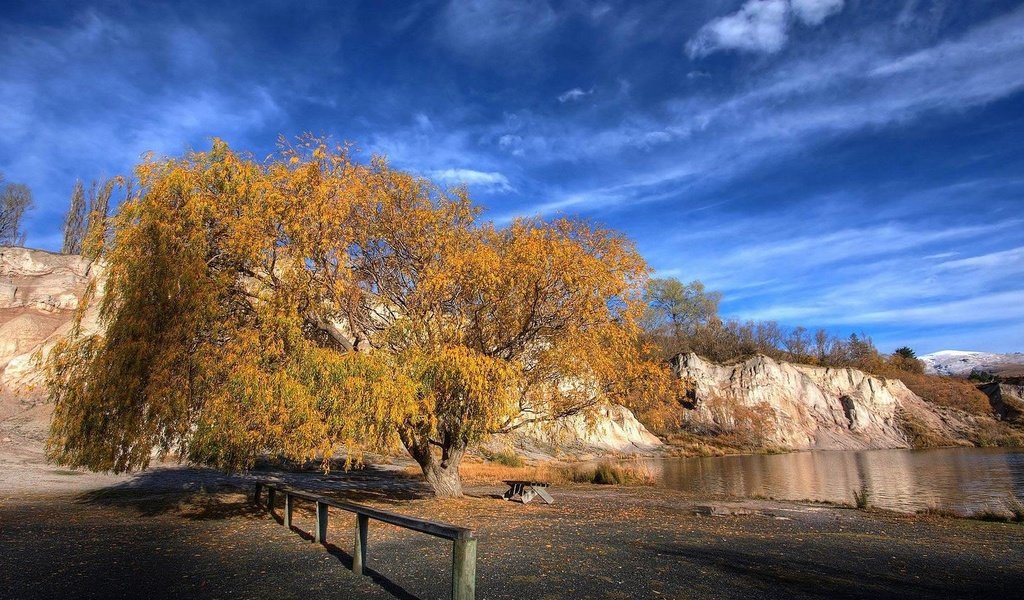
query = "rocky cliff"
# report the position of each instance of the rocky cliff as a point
(1006, 398)
(801, 407)
(40, 292)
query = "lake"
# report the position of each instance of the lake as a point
(961, 479)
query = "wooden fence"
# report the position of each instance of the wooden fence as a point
(463, 542)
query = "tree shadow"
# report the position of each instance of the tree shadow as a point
(201, 494)
(796, 575)
(204, 494)
(343, 557)
(378, 578)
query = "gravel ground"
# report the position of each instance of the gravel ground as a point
(184, 533)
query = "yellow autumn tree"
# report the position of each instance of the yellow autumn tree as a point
(309, 304)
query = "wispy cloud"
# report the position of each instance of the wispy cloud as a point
(573, 95)
(486, 29)
(74, 107)
(851, 86)
(474, 179)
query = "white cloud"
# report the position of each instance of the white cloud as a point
(814, 12)
(492, 181)
(573, 95)
(760, 26)
(1009, 262)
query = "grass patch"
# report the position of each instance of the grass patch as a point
(506, 457)
(1013, 511)
(493, 473)
(602, 473)
(989, 515)
(609, 473)
(1016, 507)
(862, 499)
(935, 511)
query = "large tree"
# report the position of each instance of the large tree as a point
(310, 304)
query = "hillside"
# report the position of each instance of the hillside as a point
(958, 363)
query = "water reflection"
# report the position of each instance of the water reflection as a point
(962, 479)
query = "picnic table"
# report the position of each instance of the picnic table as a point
(527, 490)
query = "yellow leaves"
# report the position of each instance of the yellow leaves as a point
(229, 281)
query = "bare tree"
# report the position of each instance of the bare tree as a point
(74, 223)
(15, 199)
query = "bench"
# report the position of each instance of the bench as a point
(525, 491)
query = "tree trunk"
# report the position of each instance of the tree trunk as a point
(444, 478)
(439, 463)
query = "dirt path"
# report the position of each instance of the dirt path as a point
(185, 533)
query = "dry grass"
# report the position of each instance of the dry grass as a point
(862, 498)
(490, 473)
(604, 472)
(919, 433)
(935, 511)
(609, 473)
(947, 391)
(1013, 511)
(506, 457)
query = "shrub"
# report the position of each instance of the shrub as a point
(862, 498)
(506, 457)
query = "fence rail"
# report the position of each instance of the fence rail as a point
(463, 541)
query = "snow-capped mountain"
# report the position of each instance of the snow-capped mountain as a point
(961, 363)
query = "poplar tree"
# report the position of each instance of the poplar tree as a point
(74, 222)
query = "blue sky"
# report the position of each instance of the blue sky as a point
(852, 164)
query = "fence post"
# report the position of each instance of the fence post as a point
(464, 569)
(287, 510)
(321, 523)
(359, 547)
(271, 492)
(256, 494)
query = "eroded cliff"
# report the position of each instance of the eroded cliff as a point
(801, 407)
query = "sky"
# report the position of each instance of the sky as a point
(856, 165)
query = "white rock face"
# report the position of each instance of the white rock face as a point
(959, 363)
(41, 280)
(805, 407)
(612, 428)
(39, 295)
